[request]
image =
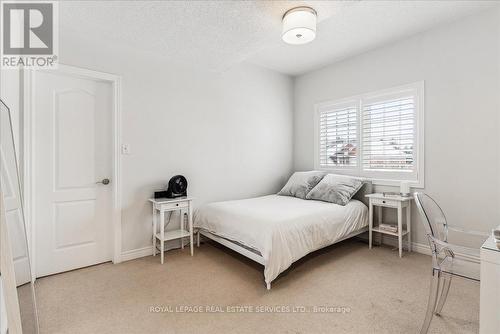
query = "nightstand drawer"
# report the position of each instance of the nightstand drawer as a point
(172, 206)
(391, 203)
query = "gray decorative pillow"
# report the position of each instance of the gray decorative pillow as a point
(337, 189)
(300, 183)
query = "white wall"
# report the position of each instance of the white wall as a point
(229, 133)
(460, 65)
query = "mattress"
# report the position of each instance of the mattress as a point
(282, 229)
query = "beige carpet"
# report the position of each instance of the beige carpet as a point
(379, 293)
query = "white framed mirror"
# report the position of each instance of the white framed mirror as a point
(18, 290)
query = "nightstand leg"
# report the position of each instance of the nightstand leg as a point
(408, 225)
(400, 230)
(190, 222)
(181, 215)
(154, 230)
(379, 221)
(162, 234)
(370, 224)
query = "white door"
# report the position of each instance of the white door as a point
(72, 152)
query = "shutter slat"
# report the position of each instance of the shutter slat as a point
(387, 117)
(383, 122)
(402, 142)
(389, 103)
(375, 139)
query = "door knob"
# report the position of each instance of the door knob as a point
(104, 181)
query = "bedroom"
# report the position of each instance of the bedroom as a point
(214, 91)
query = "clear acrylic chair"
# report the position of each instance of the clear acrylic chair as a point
(444, 263)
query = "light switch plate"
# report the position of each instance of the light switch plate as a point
(125, 149)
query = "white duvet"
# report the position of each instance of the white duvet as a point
(281, 228)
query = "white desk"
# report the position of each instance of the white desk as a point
(162, 205)
(489, 311)
(396, 202)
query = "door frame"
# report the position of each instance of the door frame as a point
(28, 126)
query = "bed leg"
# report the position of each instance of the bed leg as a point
(198, 239)
(268, 286)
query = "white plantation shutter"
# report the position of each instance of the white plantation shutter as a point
(338, 136)
(389, 134)
(377, 135)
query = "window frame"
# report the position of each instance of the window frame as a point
(416, 178)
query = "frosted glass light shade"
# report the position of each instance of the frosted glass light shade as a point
(405, 188)
(299, 25)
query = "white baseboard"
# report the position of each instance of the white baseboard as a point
(147, 251)
(463, 253)
(137, 253)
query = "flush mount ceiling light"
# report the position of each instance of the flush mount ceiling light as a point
(299, 25)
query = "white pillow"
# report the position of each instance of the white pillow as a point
(300, 183)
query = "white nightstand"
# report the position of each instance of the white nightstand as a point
(396, 202)
(162, 205)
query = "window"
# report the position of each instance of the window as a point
(338, 136)
(377, 135)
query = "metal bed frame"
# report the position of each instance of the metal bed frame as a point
(255, 256)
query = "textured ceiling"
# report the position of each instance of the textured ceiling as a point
(219, 34)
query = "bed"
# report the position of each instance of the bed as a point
(276, 231)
